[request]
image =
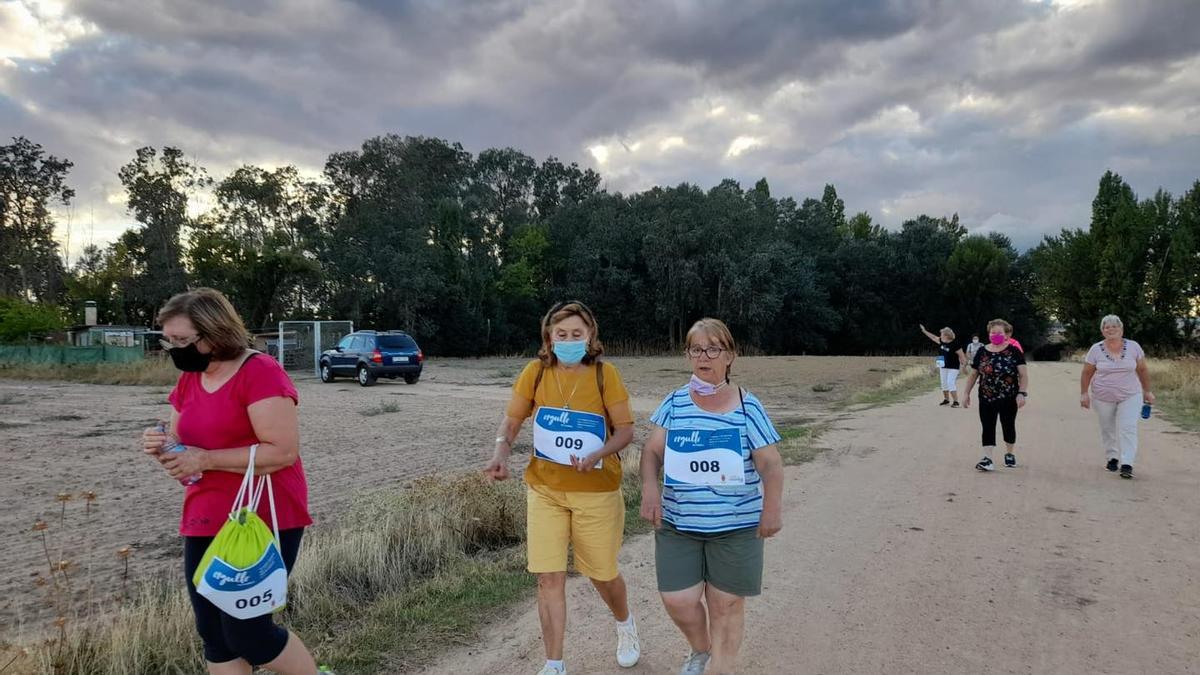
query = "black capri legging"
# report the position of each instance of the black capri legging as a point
(225, 638)
(1006, 410)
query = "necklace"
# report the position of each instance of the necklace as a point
(558, 382)
(1109, 356)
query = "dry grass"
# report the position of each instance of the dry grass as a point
(631, 490)
(152, 371)
(895, 388)
(402, 575)
(1176, 384)
(798, 442)
(153, 633)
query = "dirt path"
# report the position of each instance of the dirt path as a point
(898, 557)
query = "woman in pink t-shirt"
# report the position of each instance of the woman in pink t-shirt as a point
(1115, 372)
(228, 398)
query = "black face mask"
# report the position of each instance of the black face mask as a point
(189, 359)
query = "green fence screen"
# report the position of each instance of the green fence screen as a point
(54, 354)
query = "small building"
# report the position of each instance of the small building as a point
(91, 334)
(113, 336)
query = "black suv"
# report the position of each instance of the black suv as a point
(368, 355)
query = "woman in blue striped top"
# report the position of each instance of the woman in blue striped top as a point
(721, 496)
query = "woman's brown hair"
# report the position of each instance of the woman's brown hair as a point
(215, 320)
(561, 312)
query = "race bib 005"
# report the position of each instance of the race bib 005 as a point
(559, 433)
(246, 593)
(698, 457)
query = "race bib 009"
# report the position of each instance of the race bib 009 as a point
(698, 457)
(559, 433)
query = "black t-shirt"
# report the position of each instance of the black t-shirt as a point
(949, 351)
(998, 375)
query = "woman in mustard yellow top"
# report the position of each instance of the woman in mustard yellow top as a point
(581, 420)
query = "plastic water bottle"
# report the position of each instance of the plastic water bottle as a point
(172, 444)
(1145, 411)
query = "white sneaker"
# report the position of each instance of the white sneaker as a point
(629, 646)
(695, 664)
(550, 670)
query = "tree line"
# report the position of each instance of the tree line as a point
(466, 251)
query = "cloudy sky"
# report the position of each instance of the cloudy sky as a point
(1005, 111)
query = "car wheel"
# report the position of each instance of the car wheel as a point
(365, 378)
(326, 373)
(411, 379)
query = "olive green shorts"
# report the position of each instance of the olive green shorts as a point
(731, 561)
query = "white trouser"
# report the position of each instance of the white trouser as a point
(949, 379)
(1118, 427)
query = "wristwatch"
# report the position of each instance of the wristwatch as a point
(501, 439)
(1022, 393)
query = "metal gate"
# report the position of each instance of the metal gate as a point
(300, 343)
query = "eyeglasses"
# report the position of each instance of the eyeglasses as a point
(179, 343)
(710, 352)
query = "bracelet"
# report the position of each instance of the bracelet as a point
(501, 439)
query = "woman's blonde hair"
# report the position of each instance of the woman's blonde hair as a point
(1003, 324)
(561, 312)
(717, 331)
(215, 320)
(948, 331)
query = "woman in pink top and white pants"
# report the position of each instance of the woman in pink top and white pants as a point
(1115, 371)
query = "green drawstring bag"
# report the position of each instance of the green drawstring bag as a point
(242, 571)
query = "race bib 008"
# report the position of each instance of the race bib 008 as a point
(698, 457)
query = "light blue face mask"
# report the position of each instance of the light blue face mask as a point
(570, 352)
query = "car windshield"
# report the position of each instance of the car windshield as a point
(396, 342)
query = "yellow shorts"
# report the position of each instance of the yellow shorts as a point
(593, 523)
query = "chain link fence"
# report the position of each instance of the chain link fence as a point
(299, 344)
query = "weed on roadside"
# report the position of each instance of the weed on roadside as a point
(896, 388)
(381, 409)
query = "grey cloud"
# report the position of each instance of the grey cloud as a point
(252, 81)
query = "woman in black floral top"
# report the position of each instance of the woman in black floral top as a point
(1003, 378)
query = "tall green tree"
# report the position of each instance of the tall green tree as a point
(388, 200)
(255, 244)
(158, 187)
(31, 182)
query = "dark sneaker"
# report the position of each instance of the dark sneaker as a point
(1126, 471)
(946, 402)
(954, 405)
(1010, 459)
(986, 464)
(1112, 464)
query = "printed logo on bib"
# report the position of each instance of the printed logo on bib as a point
(941, 361)
(559, 434)
(700, 457)
(224, 577)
